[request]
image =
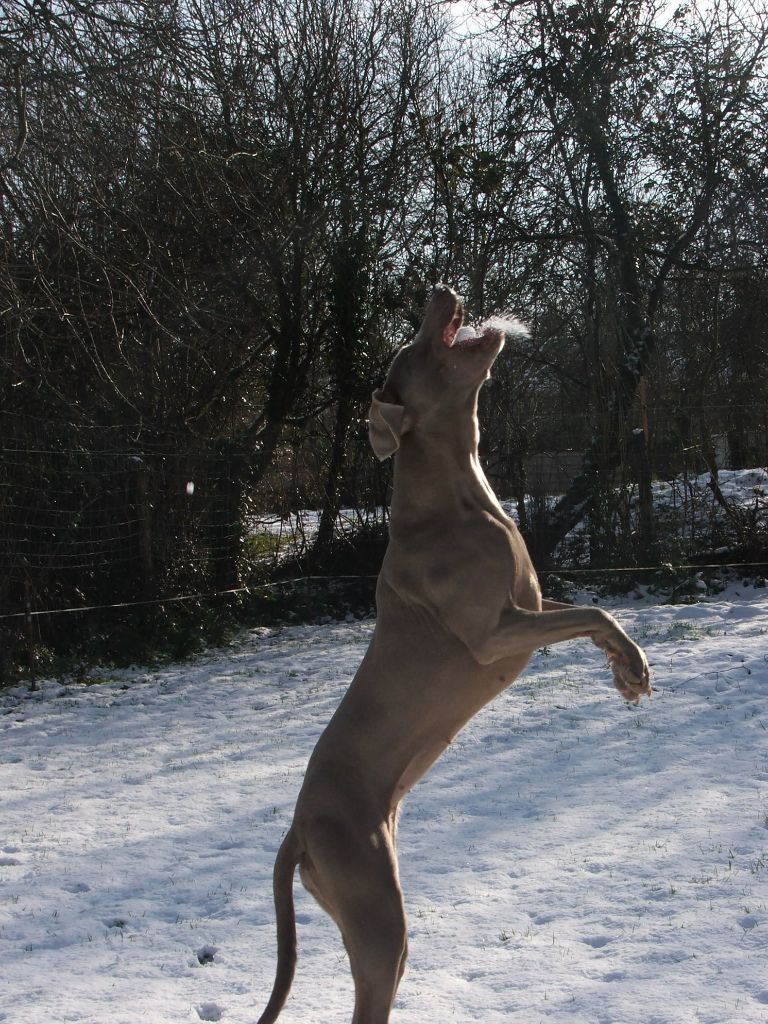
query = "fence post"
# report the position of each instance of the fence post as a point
(144, 526)
(647, 526)
(226, 537)
(29, 632)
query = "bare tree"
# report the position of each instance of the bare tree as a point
(647, 122)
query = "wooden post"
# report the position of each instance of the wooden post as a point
(144, 525)
(29, 632)
(645, 480)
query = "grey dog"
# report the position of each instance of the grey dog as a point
(459, 613)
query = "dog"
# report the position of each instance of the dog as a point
(459, 614)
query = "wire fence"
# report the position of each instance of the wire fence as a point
(97, 517)
(101, 517)
(141, 520)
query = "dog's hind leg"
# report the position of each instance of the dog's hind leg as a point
(353, 873)
(376, 940)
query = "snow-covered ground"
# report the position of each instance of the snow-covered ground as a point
(685, 508)
(570, 859)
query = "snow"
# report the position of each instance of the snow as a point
(745, 489)
(571, 858)
(685, 507)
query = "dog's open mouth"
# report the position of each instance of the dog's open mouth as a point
(506, 326)
(467, 337)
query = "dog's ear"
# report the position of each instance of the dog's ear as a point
(387, 422)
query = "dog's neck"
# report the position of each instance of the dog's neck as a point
(438, 471)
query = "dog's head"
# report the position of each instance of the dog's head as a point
(460, 352)
(439, 373)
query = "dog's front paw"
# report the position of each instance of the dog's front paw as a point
(631, 675)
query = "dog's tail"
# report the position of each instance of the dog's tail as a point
(285, 866)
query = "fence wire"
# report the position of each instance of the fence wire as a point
(117, 516)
